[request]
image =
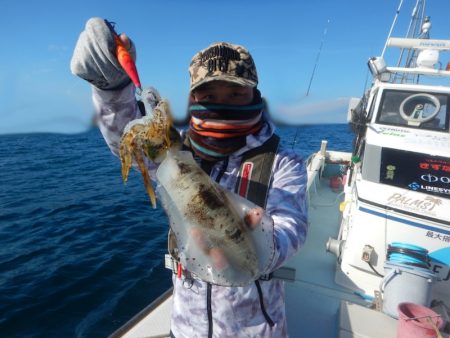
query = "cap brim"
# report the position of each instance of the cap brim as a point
(227, 78)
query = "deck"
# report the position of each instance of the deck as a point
(316, 306)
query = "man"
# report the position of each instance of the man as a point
(229, 126)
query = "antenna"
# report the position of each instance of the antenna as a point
(419, 28)
(392, 26)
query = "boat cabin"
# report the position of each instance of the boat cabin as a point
(399, 183)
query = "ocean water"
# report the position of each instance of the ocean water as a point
(80, 252)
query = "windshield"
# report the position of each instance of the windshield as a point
(421, 110)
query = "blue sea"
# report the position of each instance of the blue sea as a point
(80, 252)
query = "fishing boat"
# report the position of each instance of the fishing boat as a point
(377, 255)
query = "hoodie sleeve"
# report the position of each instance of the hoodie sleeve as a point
(287, 205)
(114, 109)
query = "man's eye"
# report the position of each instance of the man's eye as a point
(206, 97)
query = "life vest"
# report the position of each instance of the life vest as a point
(255, 172)
(254, 176)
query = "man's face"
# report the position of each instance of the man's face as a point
(223, 92)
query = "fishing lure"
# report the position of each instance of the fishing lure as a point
(125, 59)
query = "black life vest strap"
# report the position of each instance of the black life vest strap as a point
(255, 172)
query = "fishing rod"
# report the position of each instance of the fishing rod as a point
(325, 31)
(419, 28)
(318, 56)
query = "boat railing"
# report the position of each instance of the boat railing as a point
(426, 64)
(314, 164)
(139, 317)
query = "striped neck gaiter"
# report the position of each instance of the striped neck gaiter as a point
(218, 130)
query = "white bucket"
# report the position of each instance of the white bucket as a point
(405, 283)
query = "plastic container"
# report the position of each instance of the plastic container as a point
(404, 283)
(417, 321)
(408, 277)
(336, 183)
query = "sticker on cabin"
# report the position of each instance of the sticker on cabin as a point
(390, 172)
(440, 259)
(428, 205)
(393, 132)
(438, 236)
(415, 171)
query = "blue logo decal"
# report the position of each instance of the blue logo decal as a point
(414, 186)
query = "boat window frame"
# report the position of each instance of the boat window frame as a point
(423, 126)
(372, 104)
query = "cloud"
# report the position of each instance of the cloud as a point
(66, 108)
(57, 48)
(307, 111)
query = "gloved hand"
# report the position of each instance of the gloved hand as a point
(94, 58)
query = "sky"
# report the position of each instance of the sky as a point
(289, 41)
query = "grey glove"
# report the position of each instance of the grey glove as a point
(94, 58)
(150, 95)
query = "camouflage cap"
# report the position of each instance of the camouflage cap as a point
(223, 61)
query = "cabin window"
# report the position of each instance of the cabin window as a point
(411, 109)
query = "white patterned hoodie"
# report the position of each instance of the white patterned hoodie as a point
(214, 311)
